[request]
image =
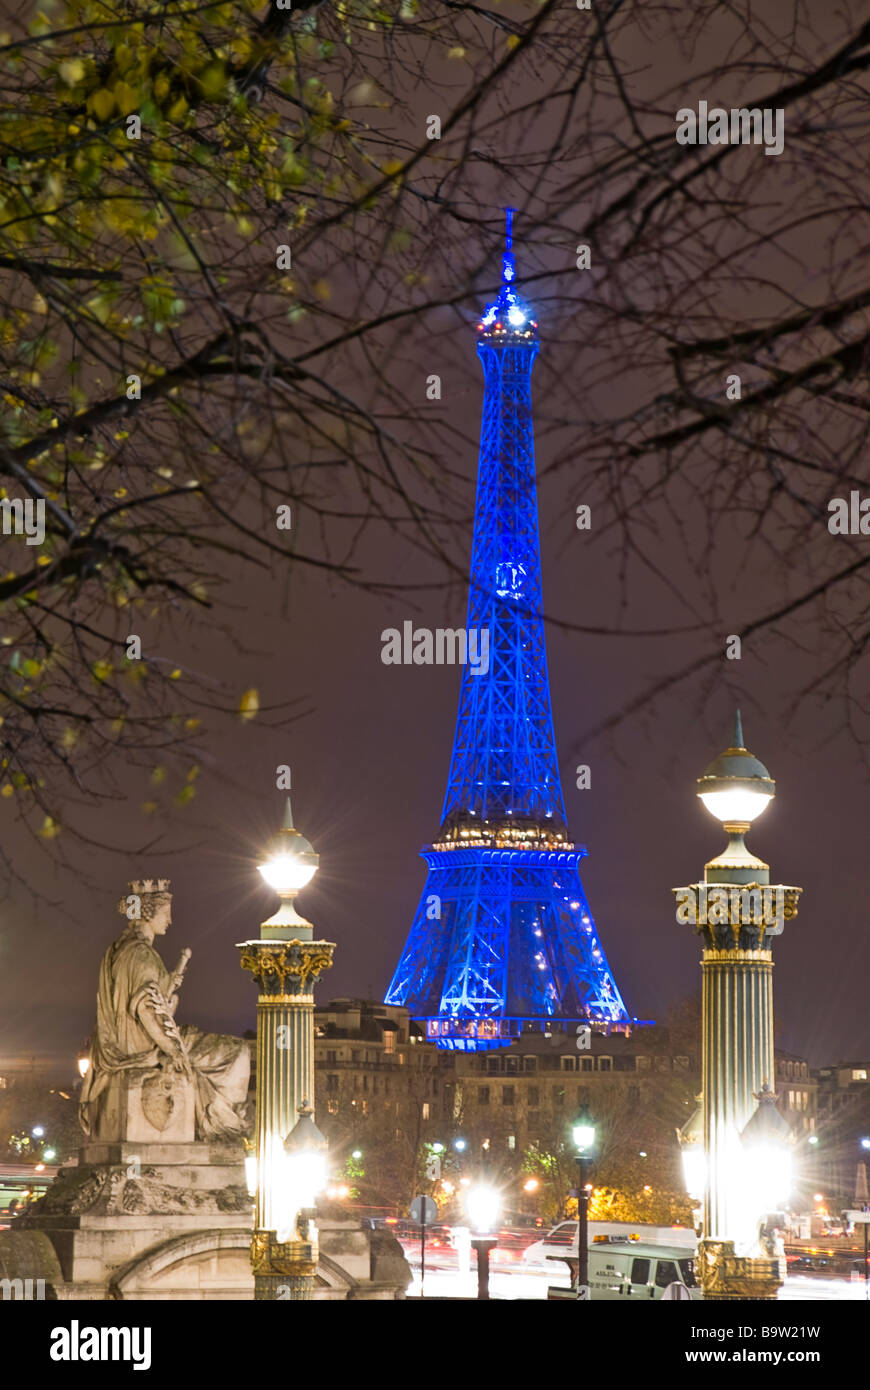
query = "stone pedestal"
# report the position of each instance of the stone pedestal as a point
(135, 1220)
(147, 1107)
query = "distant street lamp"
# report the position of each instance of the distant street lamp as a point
(483, 1204)
(583, 1134)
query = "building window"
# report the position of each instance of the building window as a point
(512, 1141)
(530, 1064)
(355, 1054)
(483, 1095)
(507, 1095)
(389, 1041)
(859, 1074)
(558, 1095)
(374, 1085)
(512, 1065)
(332, 1084)
(493, 1064)
(605, 1064)
(532, 1097)
(633, 1095)
(569, 1063)
(332, 1107)
(425, 1109)
(587, 1063)
(641, 1062)
(330, 1056)
(365, 1083)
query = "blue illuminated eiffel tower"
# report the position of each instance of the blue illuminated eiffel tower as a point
(503, 937)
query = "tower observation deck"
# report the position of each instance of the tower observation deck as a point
(503, 938)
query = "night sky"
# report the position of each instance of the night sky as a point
(369, 745)
(369, 754)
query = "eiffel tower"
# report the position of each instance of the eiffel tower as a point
(503, 939)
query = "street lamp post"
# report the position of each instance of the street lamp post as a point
(482, 1204)
(583, 1132)
(286, 963)
(737, 912)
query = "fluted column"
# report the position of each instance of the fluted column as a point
(286, 973)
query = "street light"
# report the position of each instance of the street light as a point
(286, 963)
(483, 1204)
(290, 863)
(738, 913)
(583, 1134)
(304, 1175)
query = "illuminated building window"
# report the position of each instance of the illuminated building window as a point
(512, 1141)
(332, 1107)
(859, 1074)
(425, 1109)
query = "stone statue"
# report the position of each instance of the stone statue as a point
(147, 1077)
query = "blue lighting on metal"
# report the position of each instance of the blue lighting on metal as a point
(503, 937)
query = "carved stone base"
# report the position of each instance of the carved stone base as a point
(147, 1107)
(736, 1278)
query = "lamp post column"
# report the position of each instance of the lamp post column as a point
(286, 963)
(736, 912)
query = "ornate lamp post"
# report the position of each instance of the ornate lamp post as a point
(286, 962)
(583, 1134)
(737, 912)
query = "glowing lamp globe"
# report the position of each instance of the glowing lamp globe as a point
(290, 861)
(304, 1172)
(483, 1205)
(767, 1144)
(583, 1132)
(736, 787)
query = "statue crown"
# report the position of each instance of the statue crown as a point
(142, 886)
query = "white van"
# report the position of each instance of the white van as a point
(632, 1270)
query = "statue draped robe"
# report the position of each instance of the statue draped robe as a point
(133, 979)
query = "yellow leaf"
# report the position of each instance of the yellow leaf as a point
(249, 705)
(126, 98)
(50, 828)
(8, 790)
(72, 70)
(101, 103)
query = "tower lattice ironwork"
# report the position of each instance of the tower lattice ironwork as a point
(503, 936)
